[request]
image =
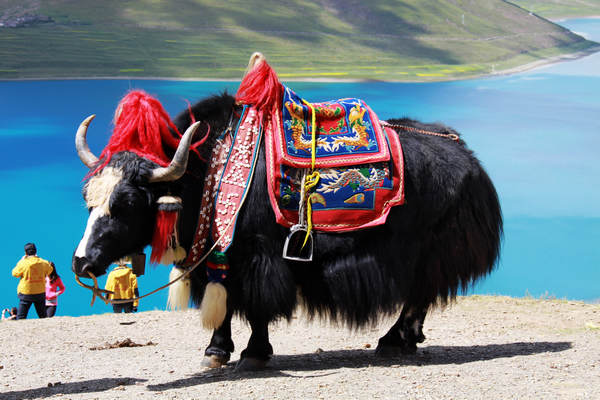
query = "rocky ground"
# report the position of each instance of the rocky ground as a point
(478, 348)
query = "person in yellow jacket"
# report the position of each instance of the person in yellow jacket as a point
(123, 282)
(32, 271)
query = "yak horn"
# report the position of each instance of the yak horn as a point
(177, 167)
(83, 150)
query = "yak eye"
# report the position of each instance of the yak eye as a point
(123, 201)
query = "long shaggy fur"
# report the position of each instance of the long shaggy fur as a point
(445, 237)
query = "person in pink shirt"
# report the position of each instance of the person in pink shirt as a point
(54, 288)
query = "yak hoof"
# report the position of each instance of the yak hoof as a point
(395, 351)
(250, 364)
(214, 361)
(388, 351)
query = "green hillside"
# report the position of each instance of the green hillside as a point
(343, 39)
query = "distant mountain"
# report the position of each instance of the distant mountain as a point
(341, 39)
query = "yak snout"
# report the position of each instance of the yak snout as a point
(81, 266)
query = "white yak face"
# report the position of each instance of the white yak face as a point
(120, 201)
(97, 195)
(100, 187)
(120, 223)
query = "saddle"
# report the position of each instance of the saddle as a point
(360, 163)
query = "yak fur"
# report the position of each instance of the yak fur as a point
(445, 237)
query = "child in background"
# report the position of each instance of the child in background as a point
(54, 288)
(12, 314)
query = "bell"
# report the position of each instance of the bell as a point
(294, 248)
(138, 263)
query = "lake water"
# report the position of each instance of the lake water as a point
(537, 134)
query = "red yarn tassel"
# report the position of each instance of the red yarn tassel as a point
(261, 88)
(163, 233)
(141, 126)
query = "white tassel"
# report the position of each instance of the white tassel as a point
(173, 255)
(179, 292)
(214, 305)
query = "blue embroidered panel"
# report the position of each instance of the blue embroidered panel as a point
(344, 127)
(339, 188)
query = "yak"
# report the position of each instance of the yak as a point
(444, 237)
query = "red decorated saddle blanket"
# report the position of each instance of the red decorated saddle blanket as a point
(360, 163)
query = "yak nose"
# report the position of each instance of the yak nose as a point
(81, 266)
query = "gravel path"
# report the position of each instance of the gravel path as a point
(479, 348)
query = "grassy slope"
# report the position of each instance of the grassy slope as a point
(385, 39)
(561, 8)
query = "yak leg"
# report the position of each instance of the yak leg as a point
(221, 346)
(404, 335)
(259, 350)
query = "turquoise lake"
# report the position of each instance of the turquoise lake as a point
(537, 134)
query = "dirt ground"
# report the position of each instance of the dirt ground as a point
(479, 348)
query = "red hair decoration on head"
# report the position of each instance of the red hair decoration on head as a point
(141, 126)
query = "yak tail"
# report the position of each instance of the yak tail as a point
(214, 305)
(179, 292)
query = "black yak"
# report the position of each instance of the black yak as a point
(445, 236)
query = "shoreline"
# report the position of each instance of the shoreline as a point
(548, 61)
(562, 19)
(509, 71)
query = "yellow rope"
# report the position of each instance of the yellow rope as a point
(311, 180)
(313, 134)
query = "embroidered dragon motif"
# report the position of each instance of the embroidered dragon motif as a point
(368, 178)
(361, 139)
(297, 127)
